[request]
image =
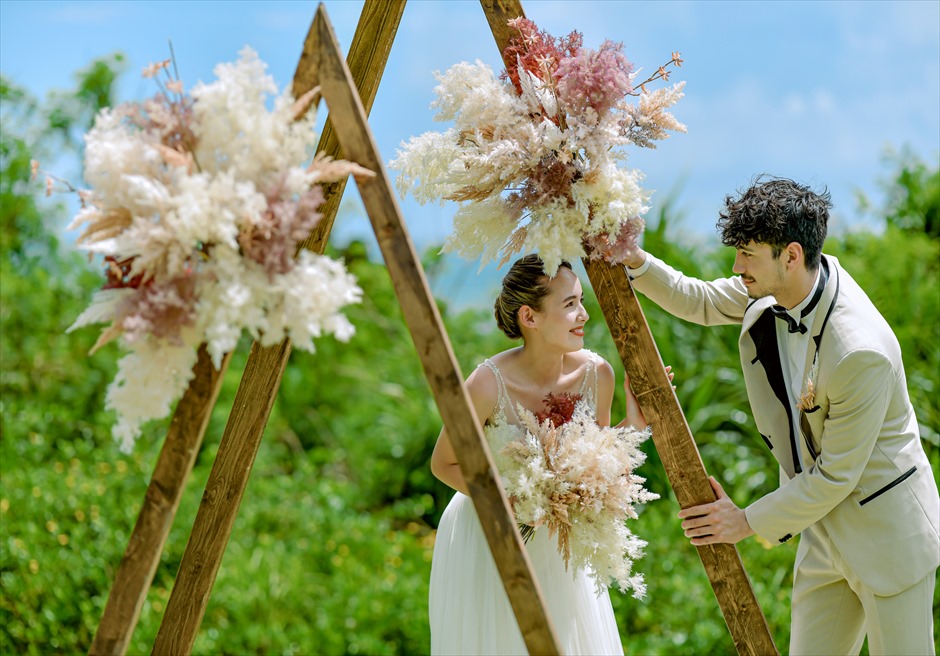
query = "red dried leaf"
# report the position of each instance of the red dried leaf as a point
(559, 408)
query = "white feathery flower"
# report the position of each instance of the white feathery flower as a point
(113, 151)
(480, 230)
(149, 380)
(510, 139)
(202, 201)
(555, 233)
(312, 295)
(615, 197)
(428, 165)
(593, 468)
(471, 96)
(104, 302)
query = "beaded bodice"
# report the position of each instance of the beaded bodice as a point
(506, 410)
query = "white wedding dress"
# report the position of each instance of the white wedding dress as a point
(469, 611)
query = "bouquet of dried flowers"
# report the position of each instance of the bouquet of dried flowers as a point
(533, 159)
(198, 203)
(578, 480)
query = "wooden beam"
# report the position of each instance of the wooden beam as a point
(498, 14)
(677, 450)
(671, 433)
(370, 49)
(437, 357)
(139, 564)
(260, 381)
(220, 501)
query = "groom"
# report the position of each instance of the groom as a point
(827, 390)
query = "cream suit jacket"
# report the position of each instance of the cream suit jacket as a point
(854, 462)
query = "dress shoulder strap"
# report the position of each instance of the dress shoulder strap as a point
(503, 401)
(589, 383)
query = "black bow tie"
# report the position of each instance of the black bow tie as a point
(793, 325)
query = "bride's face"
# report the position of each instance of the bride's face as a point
(562, 317)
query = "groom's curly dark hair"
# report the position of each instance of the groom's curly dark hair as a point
(777, 211)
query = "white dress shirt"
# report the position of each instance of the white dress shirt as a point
(794, 346)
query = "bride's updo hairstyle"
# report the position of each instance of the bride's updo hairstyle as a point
(525, 284)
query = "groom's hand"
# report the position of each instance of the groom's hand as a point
(720, 521)
(635, 257)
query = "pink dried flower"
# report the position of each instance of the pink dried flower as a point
(171, 120)
(154, 68)
(538, 52)
(33, 168)
(50, 184)
(597, 79)
(272, 242)
(159, 309)
(551, 179)
(620, 248)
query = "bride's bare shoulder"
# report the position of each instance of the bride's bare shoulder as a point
(584, 357)
(506, 361)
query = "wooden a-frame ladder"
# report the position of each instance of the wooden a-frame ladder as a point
(347, 134)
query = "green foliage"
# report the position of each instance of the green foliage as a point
(30, 130)
(913, 194)
(331, 549)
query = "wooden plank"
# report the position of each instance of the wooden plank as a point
(498, 14)
(677, 450)
(260, 381)
(139, 564)
(437, 358)
(671, 433)
(221, 499)
(370, 49)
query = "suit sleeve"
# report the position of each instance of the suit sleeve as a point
(858, 394)
(712, 303)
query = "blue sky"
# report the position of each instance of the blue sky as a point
(815, 91)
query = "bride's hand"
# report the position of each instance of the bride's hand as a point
(635, 415)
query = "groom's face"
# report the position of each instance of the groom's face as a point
(762, 273)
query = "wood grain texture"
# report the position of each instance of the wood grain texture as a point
(260, 380)
(498, 14)
(671, 433)
(174, 464)
(371, 46)
(221, 499)
(678, 452)
(437, 358)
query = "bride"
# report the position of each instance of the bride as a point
(468, 607)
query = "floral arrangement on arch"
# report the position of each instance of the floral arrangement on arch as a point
(198, 204)
(534, 158)
(577, 479)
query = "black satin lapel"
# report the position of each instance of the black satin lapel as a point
(817, 338)
(764, 334)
